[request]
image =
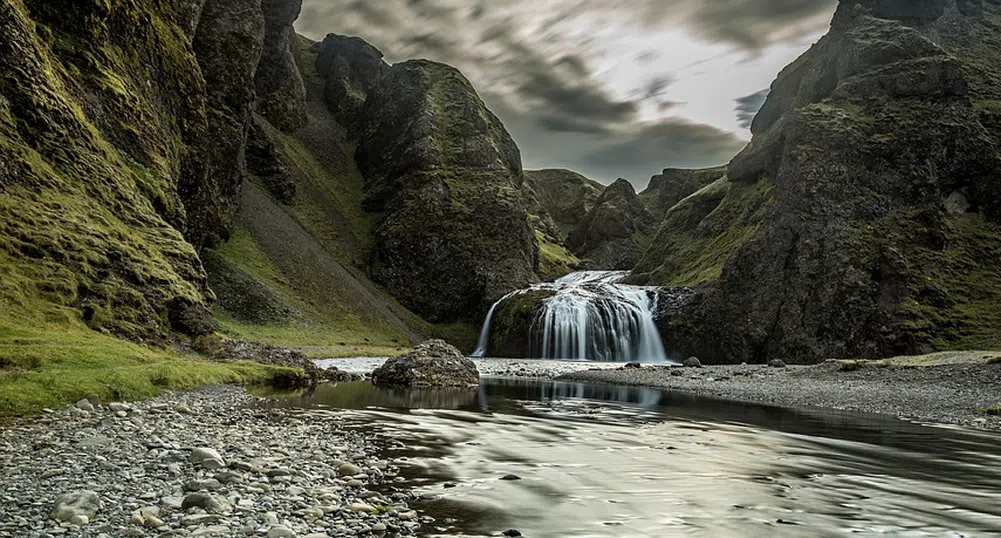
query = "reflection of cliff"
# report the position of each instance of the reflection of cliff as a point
(542, 390)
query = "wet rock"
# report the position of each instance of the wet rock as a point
(511, 477)
(83, 503)
(512, 533)
(776, 363)
(431, 363)
(207, 458)
(693, 362)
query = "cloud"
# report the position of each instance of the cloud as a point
(551, 70)
(748, 106)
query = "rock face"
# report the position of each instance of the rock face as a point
(674, 185)
(616, 231)
(443, 172)
(556, 201)
(281, 95)
(864, 218)
(433, 363)
(122, 132)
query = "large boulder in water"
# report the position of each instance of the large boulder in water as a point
(433, 363)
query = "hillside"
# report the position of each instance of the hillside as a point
(863, 219)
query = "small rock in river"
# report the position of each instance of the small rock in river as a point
(511, 477)
(776, 363)
(693, 362)
(512, 532)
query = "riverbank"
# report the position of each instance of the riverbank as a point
(200, 463)
(952, 388)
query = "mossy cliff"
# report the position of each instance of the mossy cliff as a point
(556, 201)
(673, 185)
(445, 176)
(122, 133)
(613, 234)
(864, 218)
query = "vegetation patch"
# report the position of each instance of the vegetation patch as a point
(54, 366)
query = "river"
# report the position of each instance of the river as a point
(600, 461)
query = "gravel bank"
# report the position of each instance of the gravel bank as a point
(198, 464)
(497, 367)
(952, 393)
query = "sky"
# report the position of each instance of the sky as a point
(608, 88)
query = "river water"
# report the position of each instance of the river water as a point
(602, 461)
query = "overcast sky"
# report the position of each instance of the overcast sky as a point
(609, 88)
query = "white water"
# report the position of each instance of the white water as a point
(590, 317)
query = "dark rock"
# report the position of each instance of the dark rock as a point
(433, 363)
(511, 326)
(265, 161)
(511, 477)
(854, 225)
(227, 43)
(776, 363)
(447, 175)
(674, 185)
(556, 201)
(190, 318)
(352, 69)
(693, 362)
(335, 375)
(616, 231)
(512, 532)
(634, 365)
(281, 95)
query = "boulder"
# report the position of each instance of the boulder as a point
(76, 504)
(433, 363)
(693, 362)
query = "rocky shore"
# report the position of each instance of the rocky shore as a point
(959, 388)
(199, 464)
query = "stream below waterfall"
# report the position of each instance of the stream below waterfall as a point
(590, 316)
(602, 461)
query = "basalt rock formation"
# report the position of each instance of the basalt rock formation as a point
(443, 172)
(556, 201)
(674, 185)
(864, 218)
(615, 232)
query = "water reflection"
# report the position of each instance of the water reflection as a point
(600, 461)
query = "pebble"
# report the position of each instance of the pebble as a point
(224, 469)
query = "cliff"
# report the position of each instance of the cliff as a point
(863, 220)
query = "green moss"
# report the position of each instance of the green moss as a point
(52, 367)
(954, 291)
(703, 231)
(992, 411)
(555, 260)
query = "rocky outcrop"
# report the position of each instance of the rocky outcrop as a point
(674, 185)
(123, 129)
(556, 200)
(565, 196)
(433, 363)
(281, 95)
(443, 172)
(351, 69)
(616, 231)
(864, 217)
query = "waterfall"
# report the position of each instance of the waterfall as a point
(590, 317)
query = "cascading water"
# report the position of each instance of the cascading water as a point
(590, 317)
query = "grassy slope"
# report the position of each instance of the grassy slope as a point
(303, 263)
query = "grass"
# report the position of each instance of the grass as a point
(554, 260)
(51, 367)
(349, 339)
(992, 411)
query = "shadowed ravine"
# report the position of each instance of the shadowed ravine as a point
(600, 460)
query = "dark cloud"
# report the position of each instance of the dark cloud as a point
(748, 106)
(678, 143)
(534, 63)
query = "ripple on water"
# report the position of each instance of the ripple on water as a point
(599, 461)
